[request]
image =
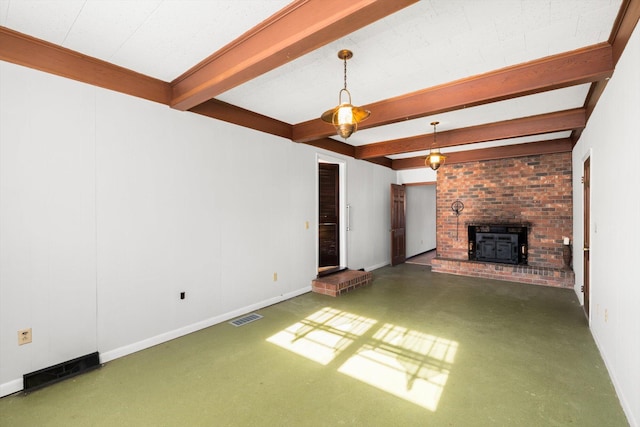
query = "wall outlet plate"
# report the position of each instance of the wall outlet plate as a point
(24, 336)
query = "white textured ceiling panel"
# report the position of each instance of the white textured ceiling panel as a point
(181, 33)
(93, 31)
(159, 38)
(47, 20)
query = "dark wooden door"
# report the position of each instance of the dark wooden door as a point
(329, 215)
(398, 237)
(586, 188)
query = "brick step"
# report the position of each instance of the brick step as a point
(342, 282)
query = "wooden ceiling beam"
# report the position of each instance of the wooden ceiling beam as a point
(382, 161)
(334, 146)
(504, 152)
(527, 126)
(585, 65)
(626, 22)
(299, 28)
(41, 55)
(239, 116)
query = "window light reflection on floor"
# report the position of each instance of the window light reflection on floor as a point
(322, 335)
(406, 363)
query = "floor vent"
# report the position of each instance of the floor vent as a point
(61, 371)
(245, 319)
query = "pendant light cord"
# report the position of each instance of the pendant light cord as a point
(434, 134)
(345, 73)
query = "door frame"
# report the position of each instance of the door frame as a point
(342, 188)
(586, 236)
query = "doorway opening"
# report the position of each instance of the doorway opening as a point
(420, 222)
(331, 247)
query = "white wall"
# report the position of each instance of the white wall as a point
(411, 176)
(47, 221)
(368, 194)
(611, 139)
(420, 219)
(110, 206)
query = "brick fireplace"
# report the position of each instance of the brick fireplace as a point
(532, 192)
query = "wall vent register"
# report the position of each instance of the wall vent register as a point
(241, 321)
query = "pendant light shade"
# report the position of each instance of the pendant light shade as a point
(345, 117)
(435, 157)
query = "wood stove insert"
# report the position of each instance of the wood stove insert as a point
(501, 243)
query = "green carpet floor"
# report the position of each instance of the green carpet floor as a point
(413, 349)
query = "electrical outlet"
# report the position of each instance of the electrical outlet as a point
(275, 277)
(606, 315)
(24, 336)
(306, 225)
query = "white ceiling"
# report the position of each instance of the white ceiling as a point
(429, 43)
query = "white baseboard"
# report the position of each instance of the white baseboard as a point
(11, 387)
(110, 355)
(626, 407)
(17, 385)
(376, 266)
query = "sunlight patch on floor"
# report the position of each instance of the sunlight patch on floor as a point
(406, 363)
(322, 335)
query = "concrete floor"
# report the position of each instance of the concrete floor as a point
(413, 349)
(423, 258)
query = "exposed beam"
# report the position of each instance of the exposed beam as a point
(230, 113)
(585, 65)
(527, 126)
(34, 53)
(626, 22)
(518, 150)
(382, 161)
(299, 28)
(595, 91)
(333, 145)
(415, 184)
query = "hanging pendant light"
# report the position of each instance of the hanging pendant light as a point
(435, 157)
(345, 117)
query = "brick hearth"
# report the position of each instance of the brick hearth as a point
(563, 278)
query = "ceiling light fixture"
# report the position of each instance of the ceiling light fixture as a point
(435, 158)
(345, 117)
